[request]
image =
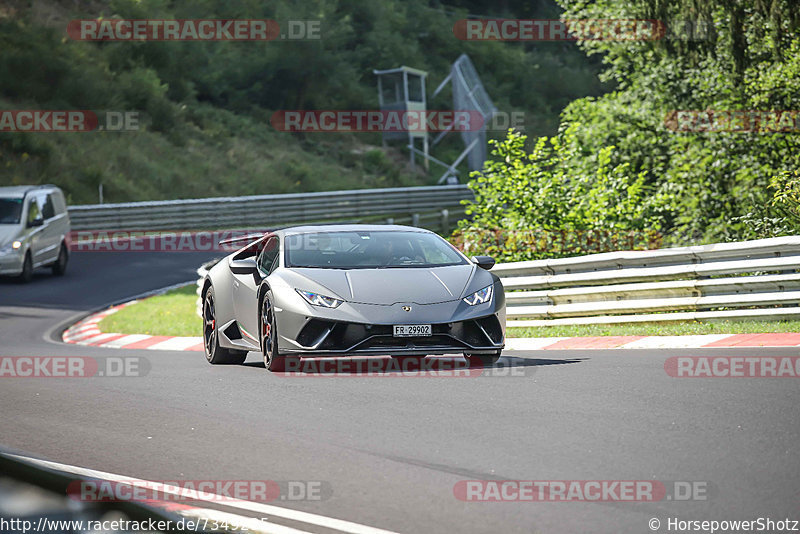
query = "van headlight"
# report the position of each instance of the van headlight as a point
(14, 245)
(480, 297)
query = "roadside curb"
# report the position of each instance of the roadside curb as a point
(86, 332)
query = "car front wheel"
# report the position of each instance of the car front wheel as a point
(269, 338)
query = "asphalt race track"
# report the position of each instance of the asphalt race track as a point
(391, 449)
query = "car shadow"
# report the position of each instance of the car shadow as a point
(430, 366)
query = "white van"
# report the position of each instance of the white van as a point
(34, 226)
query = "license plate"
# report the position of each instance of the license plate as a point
(412, 330)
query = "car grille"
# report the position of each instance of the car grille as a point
(329, 335)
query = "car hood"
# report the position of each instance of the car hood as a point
(391, 286)
(8, 232)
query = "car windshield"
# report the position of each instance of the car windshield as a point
(370, 250)
(10, 210)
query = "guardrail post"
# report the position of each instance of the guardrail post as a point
(445, 221)
(390, 220)
(415, 219)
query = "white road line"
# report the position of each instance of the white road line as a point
(286, 513)
(176, 343)
(674, 342)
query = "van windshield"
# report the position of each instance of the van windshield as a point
(10, 210)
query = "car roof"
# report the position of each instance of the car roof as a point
(19, 191)
(350, 228)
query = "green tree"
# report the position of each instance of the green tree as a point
(531, 205)
(708, 186)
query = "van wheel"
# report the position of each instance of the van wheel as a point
(60, 266)
(27, 269)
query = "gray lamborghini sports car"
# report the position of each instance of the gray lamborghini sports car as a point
(346, 290)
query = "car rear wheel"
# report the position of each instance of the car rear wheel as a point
(482, 360)
(214, 353)
(60, 266)
(27, 269)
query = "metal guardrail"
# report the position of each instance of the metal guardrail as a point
(747, 280)
(437, 207)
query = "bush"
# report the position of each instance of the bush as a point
(539, 205)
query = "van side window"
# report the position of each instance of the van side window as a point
(48, 210)
(58, 202)
(33, 210)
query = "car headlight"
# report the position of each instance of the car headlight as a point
(315, 299)
(479, 297)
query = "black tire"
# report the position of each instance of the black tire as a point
(27, 269)
(482, 360)
(215, 354)
(60, 266)
(268, 334)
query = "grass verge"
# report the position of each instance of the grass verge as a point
(170, 314)
(678, 328)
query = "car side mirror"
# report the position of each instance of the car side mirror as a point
(35, 222)
(484, 262)
(244, 266)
